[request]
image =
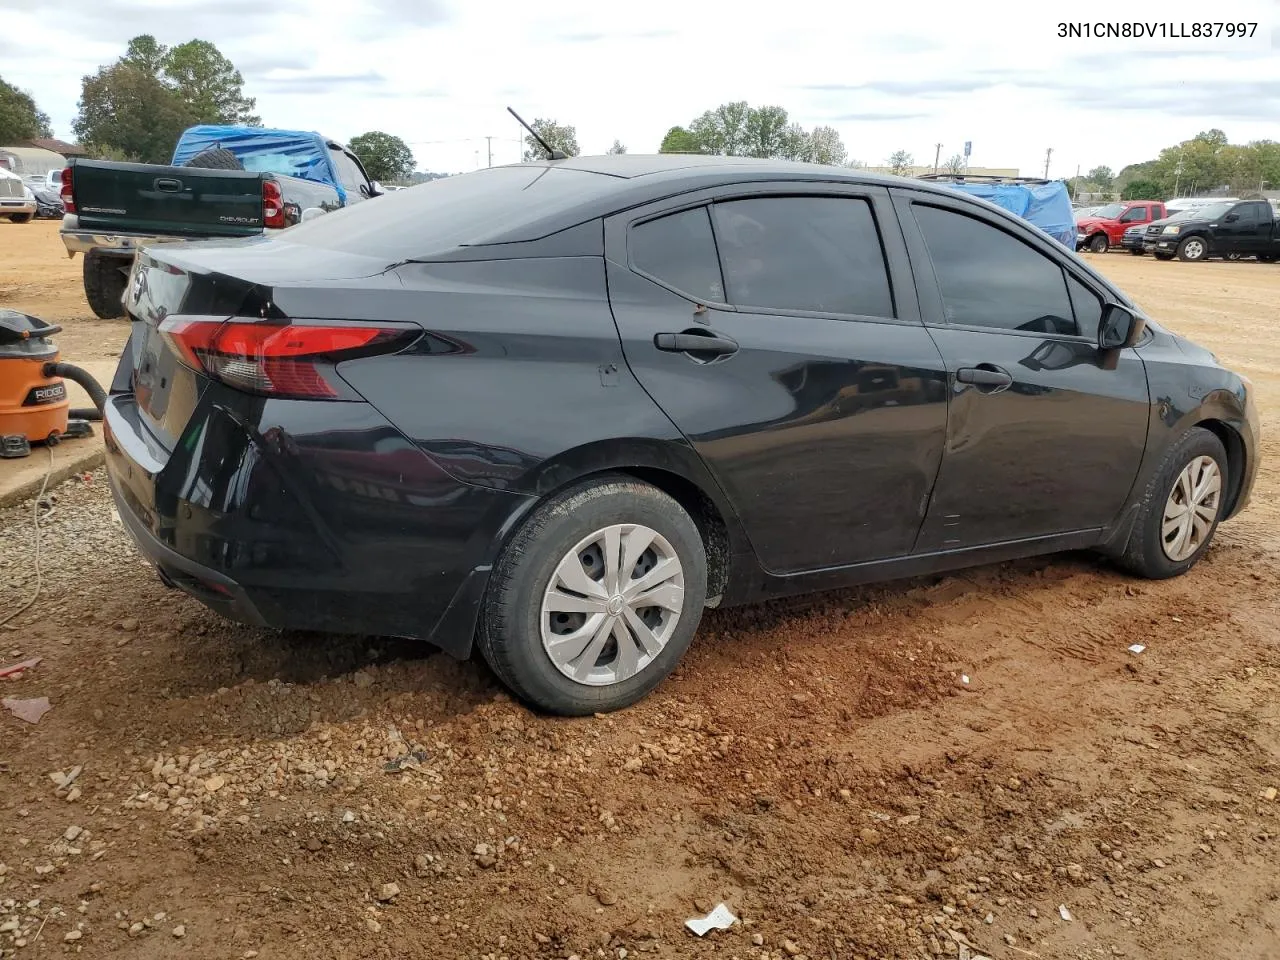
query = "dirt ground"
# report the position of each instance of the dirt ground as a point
(819, 765)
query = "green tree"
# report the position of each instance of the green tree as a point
(899, 162)
(1141, 190)
(680, 140)
(558, 137)
(618, 147)
(208, 83)
(130, 113)
(1102, 177)
(724, 130)
(826, 147)
(385, 157)
(147, 54)
(765, 133)
(20, 118)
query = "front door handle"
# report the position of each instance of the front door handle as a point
(985, 375)
(707, 344)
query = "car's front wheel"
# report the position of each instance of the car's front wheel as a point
(596, 597)
(1193, 248)
(1180, 509)
(1099, 243)
(22, 217)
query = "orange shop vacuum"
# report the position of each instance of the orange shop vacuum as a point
(33, 395)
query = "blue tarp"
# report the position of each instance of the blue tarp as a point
(1046, 205)
(293, 153)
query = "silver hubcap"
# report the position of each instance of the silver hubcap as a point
(1194, 248)
(612, 604)
(1191, 509)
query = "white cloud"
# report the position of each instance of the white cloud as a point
(439, 73)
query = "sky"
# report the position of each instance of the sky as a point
(440, 73)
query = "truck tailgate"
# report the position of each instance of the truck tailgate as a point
(173, 201)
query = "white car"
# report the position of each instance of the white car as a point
(17, 202)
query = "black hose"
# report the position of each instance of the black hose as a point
(86, 380)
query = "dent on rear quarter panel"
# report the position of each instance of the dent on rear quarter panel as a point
(522, 365)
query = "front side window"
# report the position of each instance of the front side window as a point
(349, 174)
(1248, 212)
(679, 251)
(989, 278)
(803, 254)
(1136, 215)
(1087, 307)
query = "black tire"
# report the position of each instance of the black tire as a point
(1144, 554)
(510, 634)
(215, 158)
(1266, 258)
(21, 217)
(1163, 256)
(1193, 249)
(1136, 253)
(104, 283)
(1099, 243)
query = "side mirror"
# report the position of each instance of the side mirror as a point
(1231, 217)
(1119, 328)
(375, 189)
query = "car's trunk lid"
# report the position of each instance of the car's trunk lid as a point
(209, 280)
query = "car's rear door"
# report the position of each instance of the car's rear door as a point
(819, 400)
(1046, 432)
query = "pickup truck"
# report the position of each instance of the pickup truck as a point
(224, 182)
(1246, 228)
(1104, 227)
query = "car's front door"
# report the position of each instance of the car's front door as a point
(819, 399)
(1046, 432)
(1247, 230)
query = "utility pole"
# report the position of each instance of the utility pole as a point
(937, 155)
(1075, 194)
(489, 141)
(1047, 154)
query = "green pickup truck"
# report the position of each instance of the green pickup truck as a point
(224, 182)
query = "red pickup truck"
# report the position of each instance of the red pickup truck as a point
(1105, 226)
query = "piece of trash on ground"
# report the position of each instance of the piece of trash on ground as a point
(721, 918)
(28, 710)
(407, 761)
(1063, 912)
(1137, 648)
(19, 667)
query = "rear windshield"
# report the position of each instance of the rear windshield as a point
(439, 216)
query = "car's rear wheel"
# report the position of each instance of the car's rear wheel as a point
(105, 278)
(1193, 248)
(596, 598)
(1099, 243)
(1180, 509)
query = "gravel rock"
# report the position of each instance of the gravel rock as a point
(607, 898)
(388, 892)
(179, 931)
(71, 936)
(791, 948)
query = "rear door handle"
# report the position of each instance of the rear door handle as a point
(168, 185)
(984, 375)
(695, 343)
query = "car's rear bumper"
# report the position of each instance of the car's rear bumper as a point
(307, 528)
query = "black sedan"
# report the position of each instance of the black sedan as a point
(558, 409)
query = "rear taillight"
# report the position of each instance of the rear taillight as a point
(272, 204)
(278, 360)
(68, 201)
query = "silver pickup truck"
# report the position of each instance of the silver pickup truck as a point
(17, 202)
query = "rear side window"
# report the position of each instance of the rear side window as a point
(989, 278)
(679, 251)
(809, 254)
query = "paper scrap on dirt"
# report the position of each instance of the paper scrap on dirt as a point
(721, 918)
(1137, 648)
(19, 667)
(29, 710)
(1063, 912)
